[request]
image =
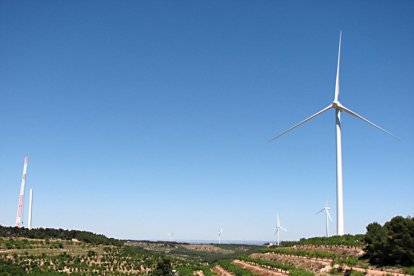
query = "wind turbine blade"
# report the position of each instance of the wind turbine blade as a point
(301, 123)
(323, 209)
(337, 69)
(282, 228)
(329, 215)
(347, 110)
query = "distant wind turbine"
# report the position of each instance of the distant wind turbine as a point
(328, 217)
(278, 227)
(219, 234)
(170, 235)
(338, 109)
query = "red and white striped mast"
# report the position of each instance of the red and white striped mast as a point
(19, 221)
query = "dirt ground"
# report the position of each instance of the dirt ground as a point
(207, 248)
(221, 271)
(257, 269)
(373, 272)
(317, 266)
(344, 251)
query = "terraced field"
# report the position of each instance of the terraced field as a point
(296, 260)
(21, 256)
(41, 256)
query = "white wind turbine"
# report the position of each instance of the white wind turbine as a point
(328, 217)
(219, 234)
(278, 227)
(338, 109)
(170, 235)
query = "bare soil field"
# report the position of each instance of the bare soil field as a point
(373, 272)
(257, 269)
(313, 265)
(221, 271)
(320, 266)
(207, 248)
(344, 251)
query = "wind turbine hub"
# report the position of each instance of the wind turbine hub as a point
(337, 105)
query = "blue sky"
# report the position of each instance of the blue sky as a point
(147, 117)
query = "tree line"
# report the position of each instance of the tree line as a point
(50, 233)
(345, 240)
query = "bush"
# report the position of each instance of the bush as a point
(164, 267)
(409, 270)
(91, 253)
(8, 267)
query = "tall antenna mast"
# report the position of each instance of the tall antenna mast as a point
(29, 220)
(19, 221)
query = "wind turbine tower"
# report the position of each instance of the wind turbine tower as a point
(328, 217)
(220, 233)
(278, 228)
(338, 109)
(19, 221)
(29, 220)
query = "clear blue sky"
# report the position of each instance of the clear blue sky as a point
(147, 117)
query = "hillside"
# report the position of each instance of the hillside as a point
(41, 251)
(58, 251)
(20, 256)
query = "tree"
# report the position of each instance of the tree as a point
(400, 240)
(376, 243)
(391, 244)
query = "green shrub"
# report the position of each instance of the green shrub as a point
(163, 267)
(91, 253)
(409, 270)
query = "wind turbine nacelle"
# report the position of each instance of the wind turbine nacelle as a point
(337, 105)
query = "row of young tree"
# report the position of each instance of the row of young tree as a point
(90, 261)
(388, 244)
(50, 233)
(345, 240)
(392, 243)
